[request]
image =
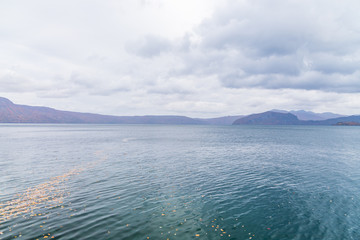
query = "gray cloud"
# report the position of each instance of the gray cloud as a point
(136, 57)
(301, 45)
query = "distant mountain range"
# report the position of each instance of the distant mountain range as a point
(14, 113)
(278, 118)
(308, 115)
(269, 118)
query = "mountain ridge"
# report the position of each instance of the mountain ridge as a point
(15, 113)
(269, 118)
(278, 118)
(309, 115)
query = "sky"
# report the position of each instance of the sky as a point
(198, 58)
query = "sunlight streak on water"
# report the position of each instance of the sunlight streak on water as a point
(47, 195)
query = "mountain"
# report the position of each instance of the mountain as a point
(328, 115)
(334, 121)
(13, 113)
(281, 118)
(308, 115)
(269, 118)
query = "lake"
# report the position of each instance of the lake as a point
(179, 182)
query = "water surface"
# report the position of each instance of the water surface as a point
(179, 182)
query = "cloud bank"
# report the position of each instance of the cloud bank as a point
(207, 58)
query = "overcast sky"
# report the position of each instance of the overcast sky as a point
(200, 58)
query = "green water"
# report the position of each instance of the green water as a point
(179, 182)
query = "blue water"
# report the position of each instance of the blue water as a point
(179, 182)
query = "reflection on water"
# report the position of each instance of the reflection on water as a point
(47, 195)
(179, 182)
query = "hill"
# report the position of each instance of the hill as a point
(279, 118)
(269, 118)
(333, 121)
(308, 115)
(13, 113)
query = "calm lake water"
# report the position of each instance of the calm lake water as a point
(179, 182)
